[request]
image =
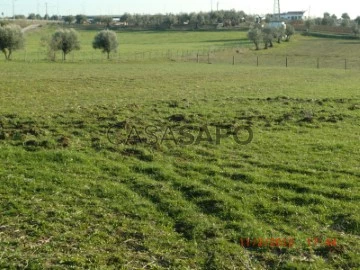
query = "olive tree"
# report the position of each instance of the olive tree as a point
(65, 40)
(268, 36)
(279, 33)
(290, 31)
(107, 41)
(69, 19)
(355, 29)
(11, 39)
(308, 24)
(255, 35)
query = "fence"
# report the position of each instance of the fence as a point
(267, 60)
(224, 55)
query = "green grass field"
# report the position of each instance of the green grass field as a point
(72, 199)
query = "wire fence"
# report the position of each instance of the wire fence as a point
(224, 55)
(267, 60)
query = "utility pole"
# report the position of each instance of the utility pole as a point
(217, 7)
(46, 10)
(13, 6)
(211, 5)
(277, 10)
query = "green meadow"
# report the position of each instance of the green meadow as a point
(72, 196)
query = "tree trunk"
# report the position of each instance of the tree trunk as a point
(108, 55)
(4, 52)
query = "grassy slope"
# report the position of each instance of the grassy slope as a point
(132, 43)
(70, 198)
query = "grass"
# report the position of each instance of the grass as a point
(211, 46)
(148, 44)
(72, 199)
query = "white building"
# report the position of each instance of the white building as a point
(293, 16)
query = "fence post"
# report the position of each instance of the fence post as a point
(257, 61)
(208, 58)
(318, 62)
(197, 58)
(286, 61)
(234, 60)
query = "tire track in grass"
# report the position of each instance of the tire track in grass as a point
(208, 202)
(197, 228)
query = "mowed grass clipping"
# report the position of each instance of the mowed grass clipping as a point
(72, 199)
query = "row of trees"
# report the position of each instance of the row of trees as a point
(267, 35)
(64, 40)
(227, 17)
(67, 40)
(333, 20)
(330, 21)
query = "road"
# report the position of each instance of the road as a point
(30, 27)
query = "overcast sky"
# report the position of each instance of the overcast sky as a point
(112, 7)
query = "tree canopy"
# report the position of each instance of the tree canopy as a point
(65, 40)
(11, 39)
(107, 41)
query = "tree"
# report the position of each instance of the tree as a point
(65, 40)
(170, 20)
(69, 19)
(38, 17)
(255, 35)
(309, 24)
(357, 20)
(345, 16)
(268, 36)
(125, 17)
(318, 21)
(290, 31)
(106, 20)
(279, 33)
(55, 18)
(107, 41)
(11, 39)
(80, 19)
(31, 16)
(355, 29)
(183, 18)
(20, 17)
(328, 20)
(345, 22)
